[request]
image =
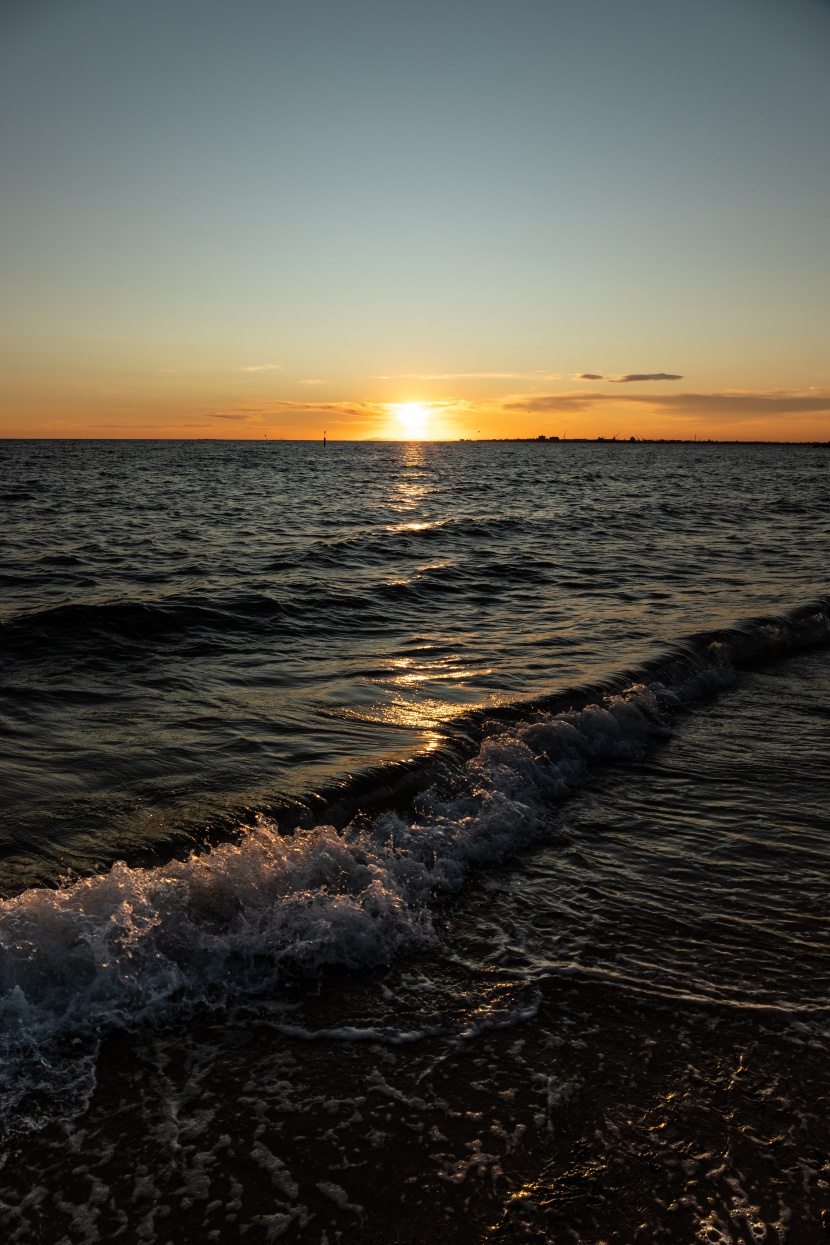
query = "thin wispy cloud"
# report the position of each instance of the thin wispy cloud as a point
(279, 406)
(725, 405)
(261, 367)
(627, 377)
(312, 381)
(472, 376)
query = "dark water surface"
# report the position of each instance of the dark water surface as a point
(564, 980)
(190, 629)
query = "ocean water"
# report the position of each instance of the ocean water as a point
(402, 840)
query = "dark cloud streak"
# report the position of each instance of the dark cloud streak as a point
(628, 377)
(624, 380)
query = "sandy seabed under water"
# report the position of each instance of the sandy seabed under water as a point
(597, 1119)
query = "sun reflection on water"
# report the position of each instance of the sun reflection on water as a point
(410, 491)
(423, 688)
(413, 527)
(421, 695)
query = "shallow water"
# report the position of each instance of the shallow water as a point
(564, 976)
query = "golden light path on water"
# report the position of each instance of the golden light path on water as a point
(409, 698)
(419, 692)
(408, 690)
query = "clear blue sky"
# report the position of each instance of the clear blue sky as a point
(331, 193)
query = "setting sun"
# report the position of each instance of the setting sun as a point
(413, 417)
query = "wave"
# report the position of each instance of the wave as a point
(122, 631)
(117, 633)
(132, 623)
(139, 946)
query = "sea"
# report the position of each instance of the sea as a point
(404, 842)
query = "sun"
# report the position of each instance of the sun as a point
(413, 417)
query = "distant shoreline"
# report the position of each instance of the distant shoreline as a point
(631, 441)
(540, 440)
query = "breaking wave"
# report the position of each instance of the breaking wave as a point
(140, 946)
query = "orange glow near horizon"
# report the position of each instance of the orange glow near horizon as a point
(213, 407)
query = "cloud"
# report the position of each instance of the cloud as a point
(540, 375)
(625, 380)
(279, 406)
(314, 381)
(261, 367)
(628, 377)
(727, 405)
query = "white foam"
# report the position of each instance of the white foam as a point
(136, 945)
(490, 1018)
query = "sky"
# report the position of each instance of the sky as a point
(465, 218)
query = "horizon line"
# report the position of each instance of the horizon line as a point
(541, 439)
